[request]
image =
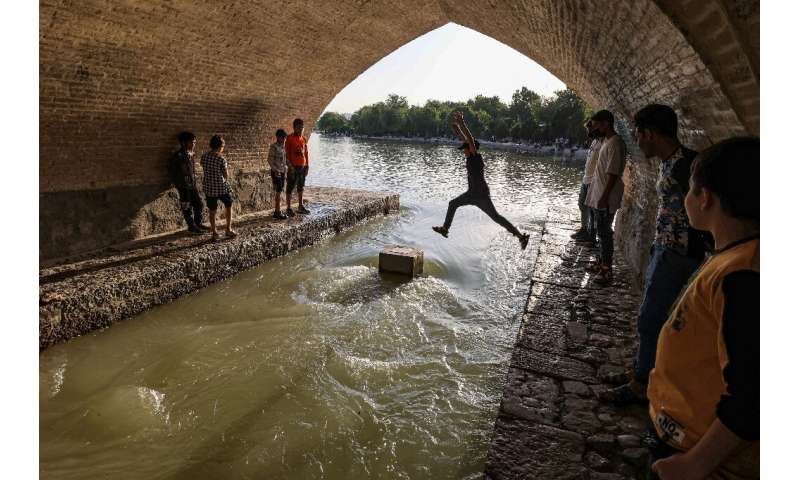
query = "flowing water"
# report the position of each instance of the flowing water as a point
(314, 365)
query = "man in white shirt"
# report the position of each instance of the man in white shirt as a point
(605, 191)
(587, 232)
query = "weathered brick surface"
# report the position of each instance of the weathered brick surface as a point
(118, 80)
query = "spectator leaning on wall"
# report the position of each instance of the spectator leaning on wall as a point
(587, 232)
(677, 250)
(181, 172)
(605, 192)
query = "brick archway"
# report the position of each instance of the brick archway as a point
(118, 80)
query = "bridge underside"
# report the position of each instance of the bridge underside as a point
(118, 80)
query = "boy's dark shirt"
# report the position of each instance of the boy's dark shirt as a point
(181, 170)
(475, 180)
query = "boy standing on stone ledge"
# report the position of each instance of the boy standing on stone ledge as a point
(277, 171)
(605, 191)
(181, 172)
(297, 155)
(215, 185)
(704, 389)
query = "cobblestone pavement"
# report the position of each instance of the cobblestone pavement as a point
(573, 333)
(93, 291)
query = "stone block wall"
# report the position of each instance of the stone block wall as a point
(118, 81)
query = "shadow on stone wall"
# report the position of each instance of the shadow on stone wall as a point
(75, 222)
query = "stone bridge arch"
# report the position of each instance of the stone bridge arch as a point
(118, 80)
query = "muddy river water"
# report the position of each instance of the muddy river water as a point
(313, 365)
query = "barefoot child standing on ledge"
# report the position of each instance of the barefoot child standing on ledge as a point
(477, 193)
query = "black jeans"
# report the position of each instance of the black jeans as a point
(191, 203)
(482, 201)
(587, 213)
(603, 220)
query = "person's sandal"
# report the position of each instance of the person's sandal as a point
(581, 232)
(289, 212)
(615, 378)
(303, 209)
(441, 231)
(214, 237)
(594, 267)
(523, 241)
(622, 396)
(231, 234)
(604, 277)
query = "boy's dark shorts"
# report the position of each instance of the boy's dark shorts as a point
(296, 178)
(225, 199)
(278, 181)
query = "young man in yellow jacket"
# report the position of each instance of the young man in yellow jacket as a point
(704, 389)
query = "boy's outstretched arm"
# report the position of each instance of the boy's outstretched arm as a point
(467, 135)
(457, 131)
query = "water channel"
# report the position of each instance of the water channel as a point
(313, 365)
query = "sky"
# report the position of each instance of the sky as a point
(432, 67)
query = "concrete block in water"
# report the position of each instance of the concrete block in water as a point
(401, 259)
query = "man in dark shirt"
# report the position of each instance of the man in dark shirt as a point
(477, 193)
(181, 171)
(677, 250)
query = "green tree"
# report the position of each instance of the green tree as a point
(563, 115)
(529, 117)
(332, 122)
(525, 110)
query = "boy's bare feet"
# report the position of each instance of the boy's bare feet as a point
(303, 209)
(231, 233)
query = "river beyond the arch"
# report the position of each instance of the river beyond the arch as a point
(313, 365)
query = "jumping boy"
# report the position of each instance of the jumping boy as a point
(297, 154)
(477, 193)
(215, 185)
(277, 170)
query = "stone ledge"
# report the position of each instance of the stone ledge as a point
(573, 334)
(91, 293)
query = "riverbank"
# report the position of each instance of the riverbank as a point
(86, 293)
(568, 156)
(573, 334)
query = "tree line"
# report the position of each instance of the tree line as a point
(529, 117)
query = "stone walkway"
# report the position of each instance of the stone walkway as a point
(91, 292)
(550, 424)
